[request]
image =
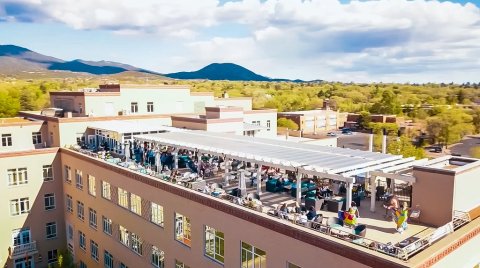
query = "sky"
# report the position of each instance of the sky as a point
(413, 41)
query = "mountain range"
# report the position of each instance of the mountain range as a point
(15, 60)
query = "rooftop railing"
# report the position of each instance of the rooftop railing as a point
(24, 249)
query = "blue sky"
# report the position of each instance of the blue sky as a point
(386, 40)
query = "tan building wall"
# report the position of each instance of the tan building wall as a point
(280, 242)
(21, 135)
(433, 192)
(315, 120)
(34, 190)
(466, 195)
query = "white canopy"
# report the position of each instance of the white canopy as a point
(122, 126)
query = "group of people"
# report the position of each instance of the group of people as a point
(397, 212)
(305, 215)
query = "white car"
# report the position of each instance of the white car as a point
(331, 134)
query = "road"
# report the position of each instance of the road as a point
(463, 147)
(356, 141)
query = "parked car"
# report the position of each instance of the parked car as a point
(347, 133)
(331, 134)
(435, 149)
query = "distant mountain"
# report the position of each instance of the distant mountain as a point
(15, 59)
(223, 71)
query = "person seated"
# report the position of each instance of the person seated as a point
(297, 208)
(303, 219)
(311, 213)
(283, 211)
(279, 182)
(351, 215)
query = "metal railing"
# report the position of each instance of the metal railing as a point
(24, 249)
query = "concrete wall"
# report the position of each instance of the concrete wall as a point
(279, 248)
(433, 191)
(69, 102)
(22, 136)
(263, 116)
(467, 191)
(35, 190)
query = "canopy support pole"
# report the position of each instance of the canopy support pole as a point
(225, 177)
(349, 187)
(259, 180)
(299, 188)
(373, 193)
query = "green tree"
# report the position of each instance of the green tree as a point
(365, 119)
(475, 152)
(287, 123)
(403, 146)
(389, 104)
(450, 126)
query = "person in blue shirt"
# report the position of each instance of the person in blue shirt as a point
(311, 213)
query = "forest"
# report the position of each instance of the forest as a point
(446, 112)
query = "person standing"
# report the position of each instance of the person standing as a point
(402, 217)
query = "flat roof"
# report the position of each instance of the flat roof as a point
(121, 126)
(287, 154)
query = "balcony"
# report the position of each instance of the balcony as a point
(24, 249)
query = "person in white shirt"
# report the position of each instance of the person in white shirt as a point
(303, 218)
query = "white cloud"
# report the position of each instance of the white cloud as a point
(419, 40)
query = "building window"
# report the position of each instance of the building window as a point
(6, 139)
(51, 230)
(92, 218)
(214, 244)
(253, 257)
(17, 176)
(70, 232)
(123, 265)
(49, 201)
(291, 265)
(106, 190)
(94, 250)
(81, 240)
(136, 204)
(256, 123)
(124, 236)
(82, 265)
(134, 107)
(69, 202)
(78, 179)
(108, 259)
(80, 212)
(179, 264)
(107, 225)
(91, 185)
(52, 256)
(182, 229)
(150, 107)
(37, 137)
(68, 174)
(21, 236)
(158, 257)
(123, 198)
(268, 125)
(137, 244)
(19, 206)
(157, 214)
(47, 173)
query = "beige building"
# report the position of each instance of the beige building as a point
(56, 199)
(314, 121)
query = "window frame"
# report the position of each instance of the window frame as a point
(69, 203)
(215, 250)
(51, 227)
(50, 198)
(156, 214)
(37, 137)
(79, 179)
(157, 257)
(252, 253)
(17, 176)
(82, 240)
(48, 171)
(94, 253)
(92, 218)
(19, 203)
(183, 229)
(92, 187)
(81, 210)
(150, 107)
(110, 259)
(106, 191)
(133, 107)
(107, 225)
(7, 140)
(51, 257)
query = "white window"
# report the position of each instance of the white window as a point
(150, 107)
(179, 264)
(214, 244)
(68, 174)
(158, 257)
(94, 250)
(17, 176)
(52, 256)
(137, 243)
(134, 107)
(80, 212)
(51, 230)
(47, 173)
(106, 193)
(107, 225)
(69, 203)
(21, 236)
(37, 137)
(136, 204)
(124, 235)
(92, 218)
(49, 201)
(19, 206)
(253, 257)
(123, 198)
(182, 229)
(108, 260)
(6, 140)
(81, 240)
(157, 214)
(78, 179)
(268, 125)
(91, 185)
